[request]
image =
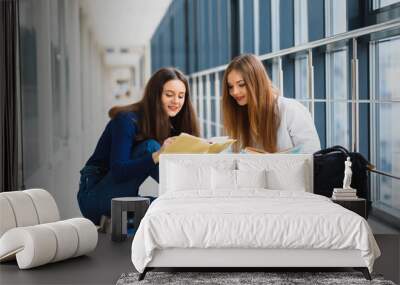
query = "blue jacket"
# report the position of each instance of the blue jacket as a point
(114, 148)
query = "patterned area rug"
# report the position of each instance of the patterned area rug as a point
(229, 278)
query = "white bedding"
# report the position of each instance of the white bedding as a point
(251, 218)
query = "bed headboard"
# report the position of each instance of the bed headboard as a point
(274, 162)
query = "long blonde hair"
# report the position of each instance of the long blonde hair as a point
(258, 121)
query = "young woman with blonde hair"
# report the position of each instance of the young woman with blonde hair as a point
(257, 116)
(129, 148)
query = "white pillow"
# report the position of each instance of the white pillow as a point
(223, 179)
(227, 179)
(292, 178)
(251, 178)
(188, 177)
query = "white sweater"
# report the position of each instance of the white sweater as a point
(296, 127)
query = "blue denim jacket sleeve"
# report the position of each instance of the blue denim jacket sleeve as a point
(122, 166)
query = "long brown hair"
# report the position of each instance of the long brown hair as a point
(153, 122)
(258, 121)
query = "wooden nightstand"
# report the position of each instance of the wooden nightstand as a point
(357, 205)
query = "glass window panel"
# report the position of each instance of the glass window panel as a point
(198, 105)
(224, 28)
(213, 30)
(275, 73)
(363, 70)
(268, 68)
(205, 131)
(178, 32)
(29, 87)
(221, 76)
(339, 75)
(382, 3)
(191, 88)
(202, 91)
(340, 129)
(204, 108)
(275, 34)
(59, 74)
(387, 116)
(286, 23)
(213, 130)
(191, 26)
(248, 27)
(320, 121)
(212, 85)
(265, 26)
(197, 97)
(67, 95)
(336, 17)
(220, 111)
(300, 22)
(301, 77)
(337, 66)
(214, 110)
(319, 75)
(193, 94)
(388, 151)
(388, 69)
(203, 33)
(300, 37)
(315, 17)
(364, 129)
(288, 65)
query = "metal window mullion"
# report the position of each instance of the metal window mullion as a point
(256, 17)
(311, 82)
(194, 93)
(355, 118)
(208, 104)
(217, 102)
(241, 26)
(328, 23)
(201, 110)
(275, 35)
(280, 74)
(328, 79)
(373, 135)
(375, 4)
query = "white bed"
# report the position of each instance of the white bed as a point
(224, 216)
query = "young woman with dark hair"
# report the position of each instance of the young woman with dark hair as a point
(129, 148)
(257, 116)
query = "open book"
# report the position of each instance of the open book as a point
(292, 150)
(185, 143)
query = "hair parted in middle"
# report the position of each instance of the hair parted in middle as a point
(257, 122)
(154, 123)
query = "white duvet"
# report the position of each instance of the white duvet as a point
(253, 218)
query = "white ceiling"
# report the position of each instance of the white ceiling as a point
(124, 23)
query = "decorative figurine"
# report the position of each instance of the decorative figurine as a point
(345, 193)
(347, 174)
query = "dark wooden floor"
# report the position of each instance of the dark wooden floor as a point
(102, 266)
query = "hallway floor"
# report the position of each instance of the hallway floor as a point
(102, 266)
(110, 259)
